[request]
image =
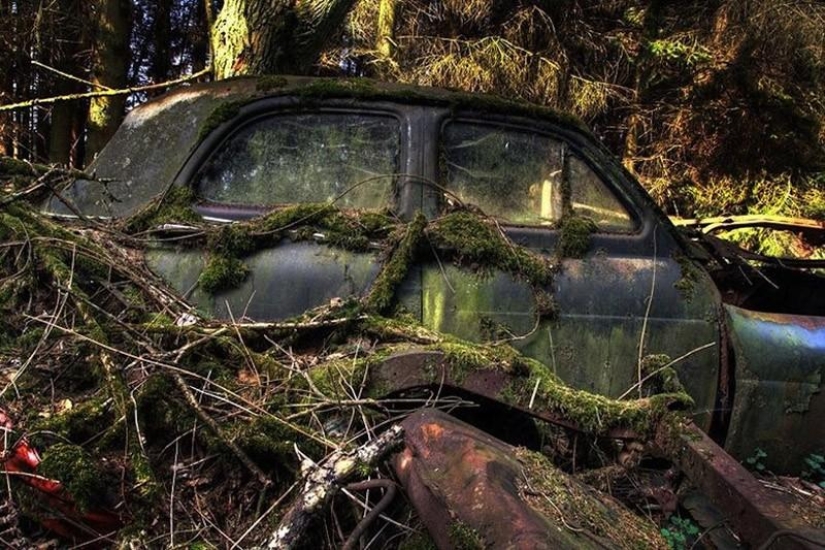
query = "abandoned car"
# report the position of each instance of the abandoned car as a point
(593, 280)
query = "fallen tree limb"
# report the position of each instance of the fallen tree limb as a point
(323, 481)
(125, 91)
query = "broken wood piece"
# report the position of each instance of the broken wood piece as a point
(322, 483)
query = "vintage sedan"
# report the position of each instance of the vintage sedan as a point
(623, 288)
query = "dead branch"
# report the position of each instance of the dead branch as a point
(86, 95)
(323, 481)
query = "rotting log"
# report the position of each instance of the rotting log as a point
(322, 483)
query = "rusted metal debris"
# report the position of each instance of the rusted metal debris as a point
(465, 484)
(762, 517)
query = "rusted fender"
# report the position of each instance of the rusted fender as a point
(779, 403)
(464, 485)
(764, 518)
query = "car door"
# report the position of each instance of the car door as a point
(623, 299)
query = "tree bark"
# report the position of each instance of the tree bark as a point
(110, 64)
(272, 36)
(385, 40)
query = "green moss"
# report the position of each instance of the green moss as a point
(594, 413)
(475, 242)
(267, 441)
(222, 113)
(574, 236)
(174, 206)
(14, 167)
(222, 272)
(464, 537)
(76, 470)
(228, 244)
(686, 284)
(396, 267)
(565, 500)
(82, 422)
(270, 82)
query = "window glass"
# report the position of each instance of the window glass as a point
(517, 176)
(314, 157)
(510, 174)
(592, 199)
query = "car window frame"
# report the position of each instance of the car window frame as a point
(265, 108)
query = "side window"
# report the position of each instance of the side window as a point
(306, 157)
(519, 176)
(590, 198)
(510, 174)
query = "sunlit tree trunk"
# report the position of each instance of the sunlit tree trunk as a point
(110, 64)
(273, 36)
(385, 37)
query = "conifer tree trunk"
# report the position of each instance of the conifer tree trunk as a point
(110, 64)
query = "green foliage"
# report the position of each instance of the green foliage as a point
(680, 533)
(689, 54)
(756, 461)
(815, 469)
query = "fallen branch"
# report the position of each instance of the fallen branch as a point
(323, 481)
(102, 93)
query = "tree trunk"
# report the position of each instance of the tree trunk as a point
(161, 37)
(272, 36)
(110, 64)
(385, 40)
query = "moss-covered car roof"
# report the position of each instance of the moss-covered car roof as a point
(157, 138)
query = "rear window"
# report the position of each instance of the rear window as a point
(350, 158)
(520, 177)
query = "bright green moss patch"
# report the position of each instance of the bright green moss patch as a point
(76, 470)
(397, 266)
(574, 237)
(476, 242)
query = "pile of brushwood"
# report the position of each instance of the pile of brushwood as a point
(131, 421)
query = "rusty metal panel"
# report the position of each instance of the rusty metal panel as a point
(764, 518)
(779, 405)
